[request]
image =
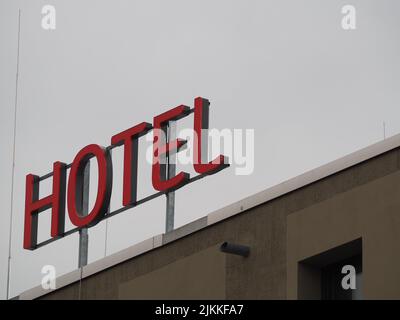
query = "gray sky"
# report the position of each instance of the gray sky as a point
(312, 92)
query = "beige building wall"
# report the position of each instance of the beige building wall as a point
(198, 276)
(362, 201)
(370, 212)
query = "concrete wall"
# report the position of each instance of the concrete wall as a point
(361, 201)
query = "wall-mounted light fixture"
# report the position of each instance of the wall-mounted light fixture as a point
(237, 249)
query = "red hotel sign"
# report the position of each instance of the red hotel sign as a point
(71, 193)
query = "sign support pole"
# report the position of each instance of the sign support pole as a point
(170, 172)
(83, 233)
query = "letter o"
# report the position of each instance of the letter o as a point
(75, 186)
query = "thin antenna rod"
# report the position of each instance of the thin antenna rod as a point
(384, 130)
(105, 239)
(13, 158)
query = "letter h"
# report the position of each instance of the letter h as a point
(34, 205)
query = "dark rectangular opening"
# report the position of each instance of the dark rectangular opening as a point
(335, 274)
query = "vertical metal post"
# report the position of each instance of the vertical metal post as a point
(106, 232)
(83, 233)
(170, 172)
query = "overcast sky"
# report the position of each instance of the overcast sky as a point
(311, 91)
